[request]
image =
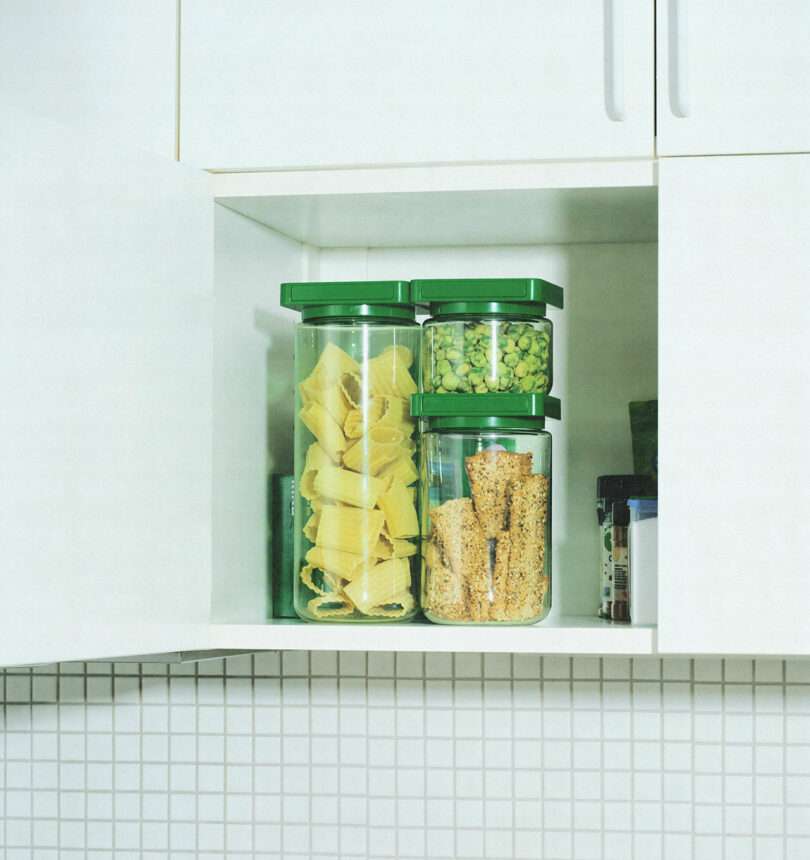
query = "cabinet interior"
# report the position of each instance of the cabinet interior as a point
(605, 350)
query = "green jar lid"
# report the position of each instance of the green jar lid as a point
(389, 300)
(510, 297)
(485, 411)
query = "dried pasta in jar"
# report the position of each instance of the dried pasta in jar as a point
(356, 520)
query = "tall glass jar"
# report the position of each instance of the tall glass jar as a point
(356, 525)
(487, 335)
(485, 494)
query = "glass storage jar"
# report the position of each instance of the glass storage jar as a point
(487, 335)
(485, 497)
(356, 525)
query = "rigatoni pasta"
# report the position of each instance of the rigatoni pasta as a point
(324, 428)
(389, 373)
(381, 586)
(403, 469)
(356, 481)
(354, 530)
(353, 488)
(356, 478)
(400, 513)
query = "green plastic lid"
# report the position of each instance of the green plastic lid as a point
(512, 297)
(485, 411)
(342, 299)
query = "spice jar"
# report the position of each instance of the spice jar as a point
(487, 335)
(356, 526)
(613, 514)
(485, 497)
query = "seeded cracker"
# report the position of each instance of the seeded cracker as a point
(466, 551)
(500, 578)
(528, 514)
(445, 594)
(490, 473)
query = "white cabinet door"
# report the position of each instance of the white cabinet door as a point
(109, 66)
(360, 82)
(105, 386)
(733, 76)
(734, 390)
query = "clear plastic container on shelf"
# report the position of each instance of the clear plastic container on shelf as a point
(487, 335)
(356, 525)
(643, 540)
(485, 497)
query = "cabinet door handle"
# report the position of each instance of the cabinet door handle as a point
(677, 48)
(613, 26)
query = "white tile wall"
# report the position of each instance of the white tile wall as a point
(411, 755)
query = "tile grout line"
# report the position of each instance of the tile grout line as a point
(4, 714)
(692, 748)
(425, 822)
(282, 735)
(602, 792)
(425, 758)
(86, 746)
(662, 769)
(483, 711)
(113, 674)
(31, 762)
(454, 742)
(633, 823)
(755, 850)
(140, 758)
(723, 817)
(396, 760)
(512, 745)
(59, 757)
(542, 790)
(169, 760)
(310, 804)
(572, 787)
(784, 758)
(225, 775)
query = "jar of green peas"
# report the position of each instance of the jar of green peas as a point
(487, 335)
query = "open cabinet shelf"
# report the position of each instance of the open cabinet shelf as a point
(591, 227)
(563, 635)
(554, 203)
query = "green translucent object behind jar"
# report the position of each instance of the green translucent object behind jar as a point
(356, 525)
(485, 490)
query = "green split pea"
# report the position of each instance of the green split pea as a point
(484, 357)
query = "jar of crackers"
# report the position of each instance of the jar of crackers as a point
(356, 526)
(485, 494)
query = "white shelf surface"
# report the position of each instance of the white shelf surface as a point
(564, 635)
(510, 204)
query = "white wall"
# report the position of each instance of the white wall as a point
(418, 755)
(109, 67)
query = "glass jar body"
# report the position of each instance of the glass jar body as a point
(486, 526)
(481, 355)
(356, 525)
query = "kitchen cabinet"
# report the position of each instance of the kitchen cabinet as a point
(734, 402)
(733, 77)
(105, 383)
(591, 227)
(109, 67)
(146, 397)
(324, 83)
